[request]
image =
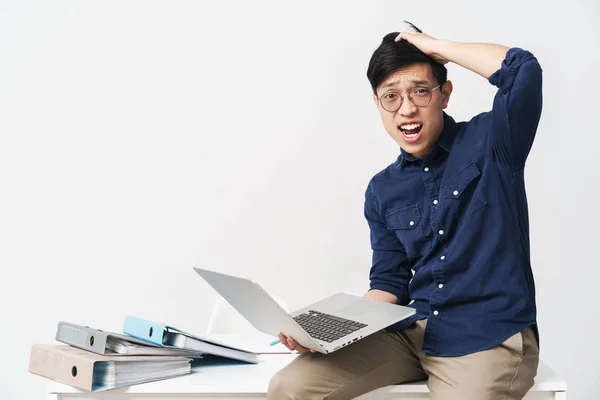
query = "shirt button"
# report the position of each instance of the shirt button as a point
(435, 202)
(411, 223)
(455, 193)
(436, 312)
(426, 169)
(441, 285)
(441, 231)
(442, 257)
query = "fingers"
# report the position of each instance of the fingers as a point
(298, 347)
(406, 34)
(284, 341)
(292, 345)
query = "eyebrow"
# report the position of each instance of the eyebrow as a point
(416, 82)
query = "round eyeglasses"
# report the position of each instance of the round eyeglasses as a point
(420, 96)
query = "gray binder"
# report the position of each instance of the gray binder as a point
(113, 344)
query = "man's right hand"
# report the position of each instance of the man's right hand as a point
(381, 295)
(291, 344)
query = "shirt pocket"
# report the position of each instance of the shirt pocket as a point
(405, 222)
(461, 193)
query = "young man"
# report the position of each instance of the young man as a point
(452, 208)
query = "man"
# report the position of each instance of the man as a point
(452, 208)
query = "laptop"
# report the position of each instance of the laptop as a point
(325, 326)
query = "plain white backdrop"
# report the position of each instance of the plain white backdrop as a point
(141, 138)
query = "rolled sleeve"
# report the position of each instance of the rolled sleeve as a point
(517, 105)
(389, 269)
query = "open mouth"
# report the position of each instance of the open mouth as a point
(411, 132)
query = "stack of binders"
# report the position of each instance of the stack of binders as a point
(96, 360)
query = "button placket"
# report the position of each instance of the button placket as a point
(439, 279)
(441, 285)
(432, 190)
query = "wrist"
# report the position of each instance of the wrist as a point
(444, 49)
(380, 295)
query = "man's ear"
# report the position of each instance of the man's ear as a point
(446, 92)
(375, 99)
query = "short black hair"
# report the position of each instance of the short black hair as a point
(391, 56)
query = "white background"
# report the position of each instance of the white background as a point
(141, 138)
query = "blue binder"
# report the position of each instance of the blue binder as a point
(168, 336)
(149, 331)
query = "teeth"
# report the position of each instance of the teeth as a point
(410, 126)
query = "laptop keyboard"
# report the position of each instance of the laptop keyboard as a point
(325, 327)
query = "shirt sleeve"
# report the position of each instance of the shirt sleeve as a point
(517, 105)
(389, 270)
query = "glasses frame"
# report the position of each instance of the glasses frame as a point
(407, 24)
(409, 98)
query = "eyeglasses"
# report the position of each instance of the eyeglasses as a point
(405, 24)
(420, 96)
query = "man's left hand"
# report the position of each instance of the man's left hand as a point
(427, 44)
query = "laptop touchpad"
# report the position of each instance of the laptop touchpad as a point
(355, 310)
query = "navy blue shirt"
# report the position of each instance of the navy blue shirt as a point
(458, 218)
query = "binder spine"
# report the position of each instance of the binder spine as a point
(74, 371)
(82, 337)
(145, 330)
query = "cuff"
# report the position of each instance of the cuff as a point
(505, 76)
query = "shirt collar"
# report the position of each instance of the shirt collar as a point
(445, 141)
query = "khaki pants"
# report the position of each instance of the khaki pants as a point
(504, 372)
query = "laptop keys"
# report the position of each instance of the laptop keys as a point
(326, 327)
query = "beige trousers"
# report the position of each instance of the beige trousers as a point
(504, 372)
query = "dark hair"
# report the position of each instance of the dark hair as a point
(391, 56)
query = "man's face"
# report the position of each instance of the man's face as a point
(415, 129)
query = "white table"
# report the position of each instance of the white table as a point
(250, 381)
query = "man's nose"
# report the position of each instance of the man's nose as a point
(407, 107)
